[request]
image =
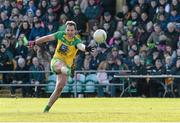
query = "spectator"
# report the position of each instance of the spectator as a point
(113, 64)
(6, 64)
(38, 14)
(174, 16)
(21, 50)
(154, 37)
(160, 10)
(43, 5)
(2, 31)
(126, 13)
(21, 78)
(123, 43)
(13, 28)
(81, 21)
(24, 27)
(29, 17)
(144, 19)
(103, 80)
(143, 6)
(134, 18)
(44, 57)
(168, 64)
(6, 7)
(83, 5)
(152, 9)
(156, 83)
(31, 7)
(56, 8)
(131, 31)
(140, 83)
(172, 35)
(109, 24)
(51, 50)
(62, 22)
(163, 21)
(109, 6)
(71, 4)
(131, 3)
(93, 10)
(176, 71)
(31, 53)
(20, 7)
(14, 12)
(103, 52)
(86, 62)
(36, 78)
(115, 40)
(176, 56)
(67, 12)
(94, 61)
(163, 41)
(122, 67)
(129, 58)
(3, 57)
(51, 28)
(141, 35)
(4, 19)
(51, 19)
(9, 49)
(137, 9)
(174, 5)
(37, 30)
(165, 5)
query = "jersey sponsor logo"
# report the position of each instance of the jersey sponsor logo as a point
(63, 49)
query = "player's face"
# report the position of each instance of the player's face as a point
(70, 31)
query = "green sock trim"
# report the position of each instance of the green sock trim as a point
(69, 72)
(47, 108)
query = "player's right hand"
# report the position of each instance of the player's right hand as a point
(89, 49)
(31, 43)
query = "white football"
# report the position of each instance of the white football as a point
(100, 36)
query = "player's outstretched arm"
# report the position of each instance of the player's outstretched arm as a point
(42, 39)
(85, 48)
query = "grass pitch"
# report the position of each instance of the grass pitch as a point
(91, 110)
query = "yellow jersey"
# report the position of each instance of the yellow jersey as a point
(66, 49)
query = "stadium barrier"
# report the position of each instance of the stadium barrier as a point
(119, 74)
(75, 92)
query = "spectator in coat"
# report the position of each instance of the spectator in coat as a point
(21, 78)
(37, 30)
(36, 78)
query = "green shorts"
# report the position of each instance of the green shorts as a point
(53, 61)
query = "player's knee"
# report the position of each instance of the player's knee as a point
(57, 70)
(65, 70)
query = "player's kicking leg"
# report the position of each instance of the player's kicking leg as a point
(61, 81)
(62, 73)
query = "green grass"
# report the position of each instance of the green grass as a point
(91, 110)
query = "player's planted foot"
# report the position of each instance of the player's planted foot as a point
(47, 108)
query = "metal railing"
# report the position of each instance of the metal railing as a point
(75, 80)
(118, 75)
(164, 84)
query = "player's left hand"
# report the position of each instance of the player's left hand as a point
(90, 49)
(31, 43)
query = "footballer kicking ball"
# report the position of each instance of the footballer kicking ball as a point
(100, 36)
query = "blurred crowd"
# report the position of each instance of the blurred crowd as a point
(144, 38)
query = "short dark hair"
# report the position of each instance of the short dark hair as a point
(71, 23)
